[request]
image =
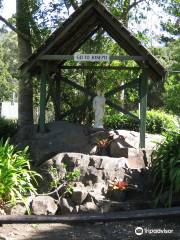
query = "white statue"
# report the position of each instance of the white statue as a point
(99, 109)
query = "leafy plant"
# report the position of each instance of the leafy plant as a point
(71, 176)
(66, 181)
(15, 174)
(166, 168)
(7, 128)
(156, 122)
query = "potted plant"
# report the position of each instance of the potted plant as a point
(117, 190)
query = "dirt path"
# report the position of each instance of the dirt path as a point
(101, 231)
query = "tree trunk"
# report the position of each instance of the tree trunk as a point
(25, 94)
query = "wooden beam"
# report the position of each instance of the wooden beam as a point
(78, 36)
(118, 108)
(44, 78)
(100, 67)
(63, 31)
(157, 213)
(75, 109)
(71, 57)
(75, 47)
(109, 20)
(92, 94)
(122, 87)
(78, 87)
(143, 88)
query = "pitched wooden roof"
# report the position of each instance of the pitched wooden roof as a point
(80, 26)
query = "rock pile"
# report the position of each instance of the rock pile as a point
(90, 191)
(101, 156)
(68, 137)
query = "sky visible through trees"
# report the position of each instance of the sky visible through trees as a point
(152, 22)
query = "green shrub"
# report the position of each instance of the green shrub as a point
(7, 128)
(159, 121)
(15, 174)
(120, 121)
(166, 168)
(156, 122)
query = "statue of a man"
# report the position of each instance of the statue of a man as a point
(99, 109)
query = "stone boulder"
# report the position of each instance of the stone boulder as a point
(88, 207)
(2, 212)
(79, 195)
(62, 136)
(130, 139)
(44, 205)
(93, 168)
(18, 209)
(72, 160)
(66, 205)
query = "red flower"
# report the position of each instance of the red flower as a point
(121, 185)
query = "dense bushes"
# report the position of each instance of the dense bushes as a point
(166, 169)
(156, 122)
(7, 128)
(15, 173)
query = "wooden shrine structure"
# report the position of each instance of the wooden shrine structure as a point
(69, 37)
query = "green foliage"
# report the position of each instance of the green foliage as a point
(7, 128)
(159, 122)
(171, 95)
(8, 65)
(169, 91)
(166, 168)
(55, 177)
(156, 122)
(15, 174)
(69, 178)
(120, 121)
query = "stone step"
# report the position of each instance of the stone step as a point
(112, 206)
(137, 158)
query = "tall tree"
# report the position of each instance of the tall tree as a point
(25, 97)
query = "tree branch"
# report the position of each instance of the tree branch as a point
(24, 36)
(134, 4)
(74, 4)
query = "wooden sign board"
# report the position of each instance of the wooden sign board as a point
(91, 57)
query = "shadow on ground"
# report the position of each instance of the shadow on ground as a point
(100, 231)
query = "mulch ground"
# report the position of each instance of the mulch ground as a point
(98, 231)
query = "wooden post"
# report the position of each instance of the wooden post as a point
(57, 98)
(44, 77)
(143, 87)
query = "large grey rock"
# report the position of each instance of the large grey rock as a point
(93, 169)
(44, 205)
(95, 197)
(104, 162)
(61, 136)
(2, 212)
(92, 176)
(135, 158)
(44, 171)
(3, 237)
(113, 206)
(88, 207)
(130, 139)
(66, 205)
(79, 195)
(100, 187)
(18, 209)
(72, 160)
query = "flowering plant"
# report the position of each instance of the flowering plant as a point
(118, 184)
